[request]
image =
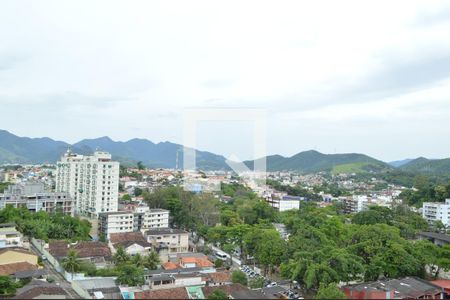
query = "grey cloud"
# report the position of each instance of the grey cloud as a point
(61, 101)
(397, 77)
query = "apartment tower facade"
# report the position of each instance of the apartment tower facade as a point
(92, 182)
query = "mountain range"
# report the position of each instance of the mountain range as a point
(15, 149)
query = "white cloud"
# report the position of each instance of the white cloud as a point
(327, 71)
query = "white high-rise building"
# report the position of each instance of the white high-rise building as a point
(433, 211)
(92, 182)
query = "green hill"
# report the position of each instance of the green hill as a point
(314, 161)
(423, 165)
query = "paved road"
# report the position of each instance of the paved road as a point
(59, 279)
(235, 260)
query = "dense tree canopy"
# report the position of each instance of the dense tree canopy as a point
(42, 225)
(324, 248)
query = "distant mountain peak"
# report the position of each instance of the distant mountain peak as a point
(15, 149)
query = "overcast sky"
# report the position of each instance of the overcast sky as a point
(335, 76)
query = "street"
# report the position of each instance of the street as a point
(59, 279)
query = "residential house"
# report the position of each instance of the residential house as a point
(173, 293)
(97, 288)
(9, 236)
(38, 289)
(16, 255)
(403, 288)
(97, 253)
(235, 291)
(175, 240)
(219, 278)
(445, 285)
(133, 243)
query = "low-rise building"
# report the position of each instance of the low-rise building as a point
(403, 288)
(141, 219)
(38, 289)
(434, 211)
(284, 202)
(154, 218)
(439, 239)
(176, 240)
(132, 242)
(19, 263)
(115, 222)
(97, 253)
(34, 197)
(9, 236)
(97, 288)
(17, 255)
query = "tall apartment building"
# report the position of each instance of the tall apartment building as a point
(34, 197)
(143, 218)
(434, 211)
(92, 181)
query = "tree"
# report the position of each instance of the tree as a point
(71, 263)
(126, 197)
(140, 165)
(121, 256)
(137, 260)
(270, 248)
(151, 261)
(7, 286)
(218, 263)
(138, 191)
(131, 276)
(239, 277)
(443, 261)
(218, 294)
(375, 215)
(330, 291)
(256, 283)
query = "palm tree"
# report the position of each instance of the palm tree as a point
(137, 260)
(121, 256)
(152, 260)
(71, 263)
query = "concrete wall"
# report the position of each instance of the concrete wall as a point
(39, 245)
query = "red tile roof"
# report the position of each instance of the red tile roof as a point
(443, 283)
(170, 266)
(220, 277)
(126, 237)
(9, 269)
(92, 249)
(199, 261)
(41, 291)
(58, 248)
(84, 249)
